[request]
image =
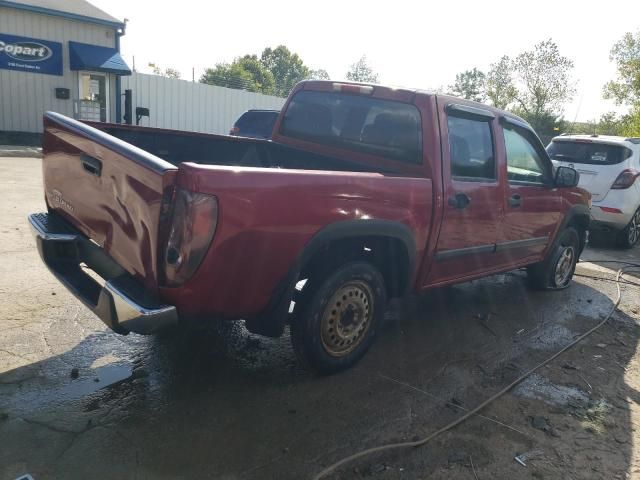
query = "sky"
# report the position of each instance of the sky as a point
(418, 44)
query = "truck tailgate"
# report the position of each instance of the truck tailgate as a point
(110, 190)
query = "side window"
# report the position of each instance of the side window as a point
(524, 162)
(471, 147)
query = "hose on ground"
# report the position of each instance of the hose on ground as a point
(493, 398)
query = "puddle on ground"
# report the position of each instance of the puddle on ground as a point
(98, 378)
(540, 388)
(36, 393)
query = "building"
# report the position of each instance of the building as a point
(58, 55)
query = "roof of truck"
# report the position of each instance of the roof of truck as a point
(404, 94)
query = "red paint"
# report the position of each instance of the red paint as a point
(610, 210)
(266, 216)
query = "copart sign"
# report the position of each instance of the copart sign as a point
(30, 55)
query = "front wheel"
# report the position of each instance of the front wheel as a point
(556, 271)
(630, 235)
(339, 318)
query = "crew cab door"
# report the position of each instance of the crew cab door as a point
(533, 208)
(473, 179)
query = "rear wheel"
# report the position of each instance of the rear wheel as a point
(339, 317)
(556, 271)
(630, 235)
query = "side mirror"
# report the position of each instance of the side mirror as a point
(566, 177)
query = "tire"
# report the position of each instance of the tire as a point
(556, 270)
(629, 236)
(339, 318)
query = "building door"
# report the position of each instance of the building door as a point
(93, 101)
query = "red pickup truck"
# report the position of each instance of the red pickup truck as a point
(363, 193)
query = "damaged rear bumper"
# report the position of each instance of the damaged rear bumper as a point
(121, 302)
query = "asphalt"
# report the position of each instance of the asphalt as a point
(79, 401)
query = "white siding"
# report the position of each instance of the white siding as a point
(184, 105)
(25, 96)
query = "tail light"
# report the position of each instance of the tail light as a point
(234, 131)
(193, 223)
(625, 179)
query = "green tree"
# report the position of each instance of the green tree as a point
(499, 83)
(319, 74)
(626, 54)
(245, 73)
(362, 72)
(286, 68)
(610, 124)
(626, 88)
(543, 81)
(471, 85)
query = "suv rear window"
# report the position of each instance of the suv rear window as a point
(587, 152)
(260, 123)
(369, 125)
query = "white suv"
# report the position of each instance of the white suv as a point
(609, 168)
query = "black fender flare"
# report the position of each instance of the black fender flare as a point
(271, 321)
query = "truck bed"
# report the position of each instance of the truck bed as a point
(115, 185)
(177, 147)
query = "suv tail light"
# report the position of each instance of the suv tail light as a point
(625, 179)
(193, 222)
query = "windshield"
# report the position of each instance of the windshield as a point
(587, 152)
(380, 127)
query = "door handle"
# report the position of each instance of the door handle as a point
(459, 200)
(515, 200)
(91, 165)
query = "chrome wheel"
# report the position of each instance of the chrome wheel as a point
(634, 228)
(564, 267)
(347, 318)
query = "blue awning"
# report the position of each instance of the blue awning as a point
(99, 59)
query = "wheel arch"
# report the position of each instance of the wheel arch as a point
(578, 217)
(337, 243)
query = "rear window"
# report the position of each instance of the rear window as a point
(257, 122)
(364, 124)
(588, 152)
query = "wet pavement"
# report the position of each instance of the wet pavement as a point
(78, 401)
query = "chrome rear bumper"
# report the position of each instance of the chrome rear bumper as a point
(122, 302)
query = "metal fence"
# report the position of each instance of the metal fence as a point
(196, 107)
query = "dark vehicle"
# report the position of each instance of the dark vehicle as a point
(364, 193)
(255, 124)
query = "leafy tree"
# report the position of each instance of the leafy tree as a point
(319, 74)
(167, 72)
(245, 73)
(362, 72)
(286, 68)
(470, 84)
(626, 88)
(626, 54)
(631, 122)
(610, 124)
(543, 83)
(499, 83)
